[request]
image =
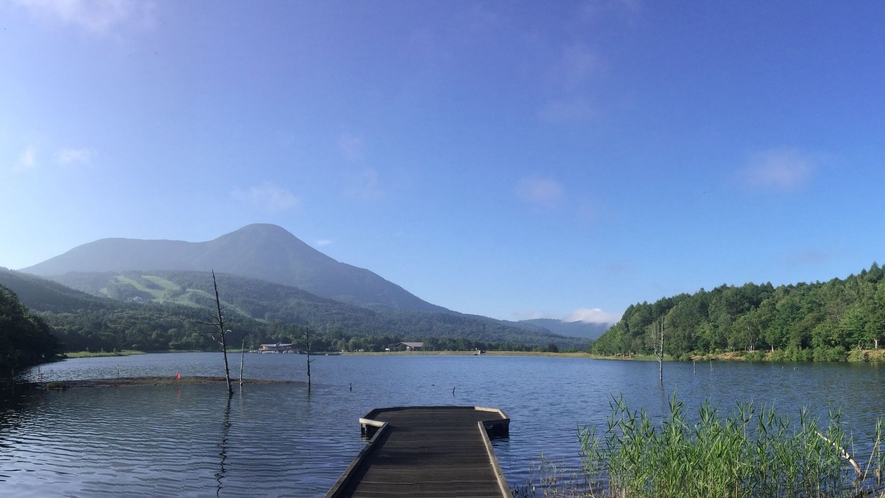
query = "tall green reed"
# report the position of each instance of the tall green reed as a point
(750, 452)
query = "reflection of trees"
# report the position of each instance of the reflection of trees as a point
(225, 433)
(17, 402)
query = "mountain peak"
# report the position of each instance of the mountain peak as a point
(262, 228)
(264, 251)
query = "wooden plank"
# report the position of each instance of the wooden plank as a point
(427, 451)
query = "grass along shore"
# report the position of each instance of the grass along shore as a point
(754, 451)
(858, 355)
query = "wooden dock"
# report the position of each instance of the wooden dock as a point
(437, 451)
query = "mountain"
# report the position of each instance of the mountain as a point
(166, 309)
(261, 251)
(571, 329)
(40, 294)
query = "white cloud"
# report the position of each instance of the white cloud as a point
(351, 146)
(530, 315)
(562, 110)
(69, 156)
(572, 75)
(620, 268)
(576, 77)
(602, 10)
(811, 257)
(26, 160)
(322, 242)
(285, 137)
(592, 315)
(777, 169)
(541, 191)
(96, 16)
(364, 185)
(579, 62)
(268, 197)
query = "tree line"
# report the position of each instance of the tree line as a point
(25, 339)
(802, 322)
(257, 313)
(151, 327)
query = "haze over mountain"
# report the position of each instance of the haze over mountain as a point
(262, 251)
(589, 330)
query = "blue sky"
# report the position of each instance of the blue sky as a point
(509, 159)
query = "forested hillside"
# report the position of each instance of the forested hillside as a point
(818, 321)
(25, 339)
(168, 309)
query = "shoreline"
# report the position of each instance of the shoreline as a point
(855, 356)
(64, 385)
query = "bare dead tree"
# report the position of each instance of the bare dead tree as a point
(658, 337)
(309, 361)
(219, 332)
(242, 361)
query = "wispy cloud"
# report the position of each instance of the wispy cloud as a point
(597, 10)
(577, 70)
(95, 16)
(812, 257)
(586, 315)
(530, 315)
(540, 191)
(620, 268)
(351, 146)
(26, 160)
(364, 185)
(777, 169)
(322, 242)
(567, 109)
(70, 157)
(268, 197)
(572, 74)
(592, 315)
(579, 62)
(360, 182)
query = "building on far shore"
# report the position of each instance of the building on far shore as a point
(409, 346)
(276, 348)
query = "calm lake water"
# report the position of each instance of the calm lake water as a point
(276, 440)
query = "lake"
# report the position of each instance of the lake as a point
(278, 440)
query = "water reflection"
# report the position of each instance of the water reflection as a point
(278, 440)
(225, 434)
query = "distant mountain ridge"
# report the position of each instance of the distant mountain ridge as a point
(263, 251)
(586, 330)
(164, 310)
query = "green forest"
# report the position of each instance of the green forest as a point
(25, 339)
(174, 314)
(831, 321)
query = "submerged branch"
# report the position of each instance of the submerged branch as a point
(845, 455)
